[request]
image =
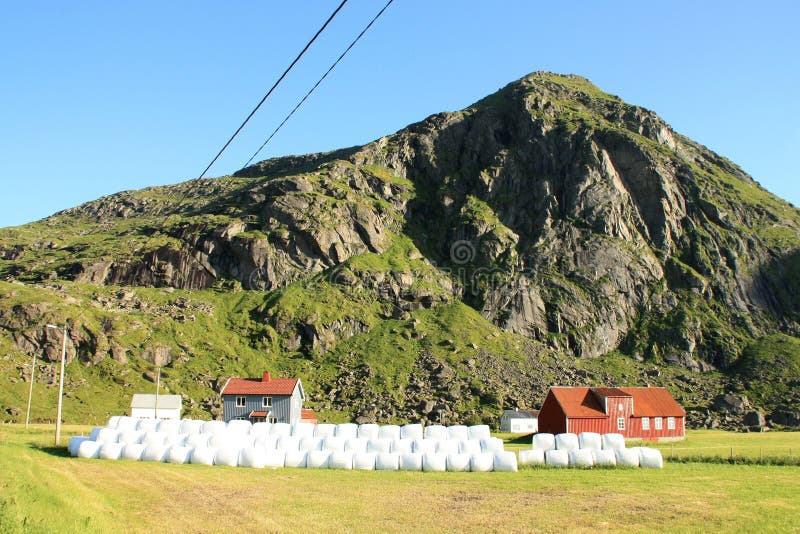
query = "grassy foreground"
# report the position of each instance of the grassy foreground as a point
(43, 490)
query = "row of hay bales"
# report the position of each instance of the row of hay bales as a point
(588, 449)
(344, 446)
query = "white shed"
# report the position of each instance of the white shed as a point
(519, 421)
(144, 405)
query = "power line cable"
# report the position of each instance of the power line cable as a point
(303, 51)
(341, 56)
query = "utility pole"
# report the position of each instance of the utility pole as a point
(60, 381)
(158, 386)
(30, 393)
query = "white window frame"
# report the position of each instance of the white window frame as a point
(645, 423)
(266, 402)
(620, 423)
(241, 401)
(658, 424)
(670, 423)
(273, 420)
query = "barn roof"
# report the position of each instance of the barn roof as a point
(148, 401)
(583, 403)
(260, 386)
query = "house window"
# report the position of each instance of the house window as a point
(239, 402)
(273, 420)
(645, 423)
(657, 421)
(620, 423)
(670, 423)
(266, 402)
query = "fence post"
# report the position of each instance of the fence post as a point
(731, 453)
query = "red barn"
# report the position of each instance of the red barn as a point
(636, 413)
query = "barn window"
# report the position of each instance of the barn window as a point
(671, 423)
(266, 402)
(657, 421)
(645, 423)
(239, 402)
(620, 423)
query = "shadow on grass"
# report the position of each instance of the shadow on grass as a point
(523, 439)
(52, 450)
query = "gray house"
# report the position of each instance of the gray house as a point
(265, 399)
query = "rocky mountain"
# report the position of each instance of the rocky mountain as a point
(548, 234)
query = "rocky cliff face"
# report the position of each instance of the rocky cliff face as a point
(560, 213)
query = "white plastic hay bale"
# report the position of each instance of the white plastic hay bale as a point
(457, 461)
(203, 455)
(303, 430)
(470, 446)
(567, 441)
(389, 432)
(493, 445)
(214, 427)
(154, 438)
(412, 431)
(529, 457)
(435, 432)
(170, 426)
(111, 451)
(113, 421)
(447, 446)
(347, 430)
(275, 458)
(253, 457)
(288, 443)
(505, 461)
(378, 445)
(239, 426)
(580, 458)
(402, 445)
(148, 424)
(155, 453)
(191, 426)
(133, 451)
(126, 423)
(613, 441)
(410, 461)
(107, 435)
(369, 431)
(222, 439)
(627, 457)
(457, 432)
(280, 429)
(356, 444)
(387, 461)
(95, 431)
(556, 458)
(333, 443)
(341, 460)
(604, 458)
(544, 441)
(197, 440)
(311, 443)
(89, 449)
(227, 456)
(176, 440)
(481, 462)
(260, 429)
(266, 442)
(130, 436)
(246, 441)
(434, 461)
(423, 446)
(324, 430)
(295, 458)
(364, 461)
(179, 454)
(650, 458)
(590, 440)
(317, 459)
(74, 443)
(479, 432)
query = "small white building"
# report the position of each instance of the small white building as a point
(519, 421)
(144, 405)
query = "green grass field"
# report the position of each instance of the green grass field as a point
(44, 490)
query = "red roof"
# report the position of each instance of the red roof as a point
(260, 386)
(581, 403)
(308, 415)
(259, 414)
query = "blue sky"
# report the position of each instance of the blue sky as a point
(99, 97)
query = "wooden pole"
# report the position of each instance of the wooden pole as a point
(158, 386)
(30, 393)
(61, 386)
